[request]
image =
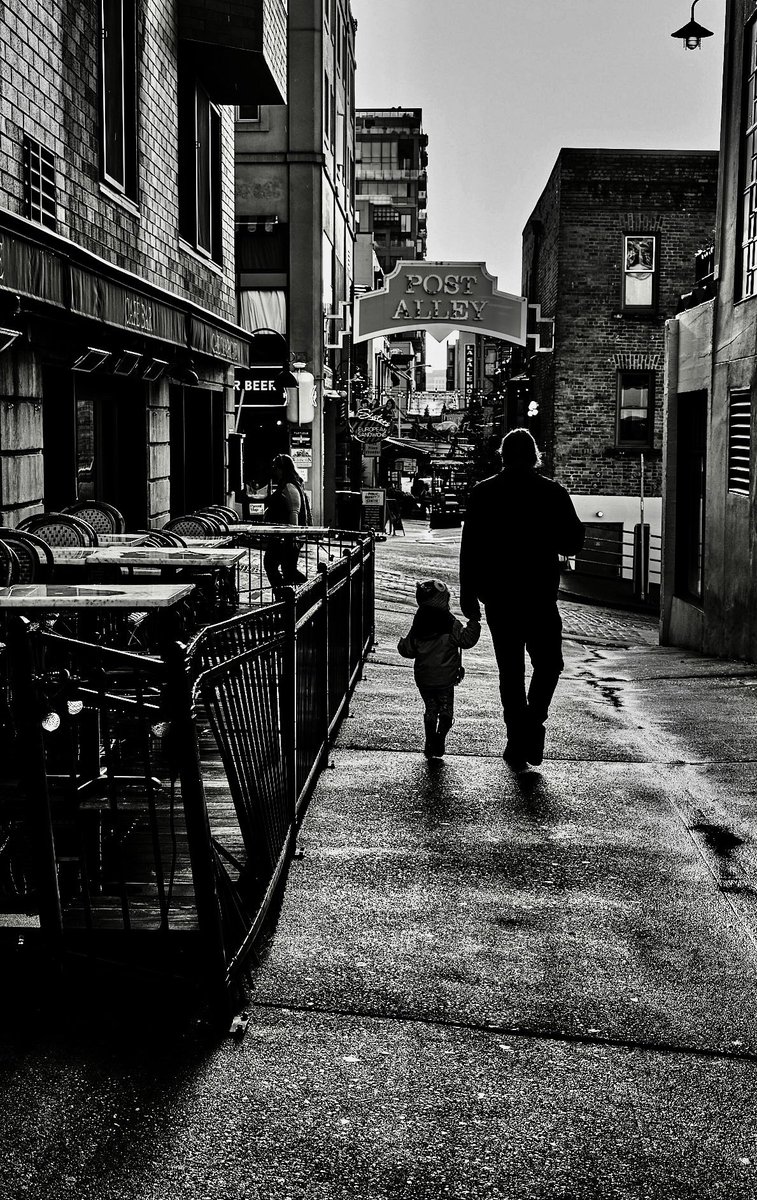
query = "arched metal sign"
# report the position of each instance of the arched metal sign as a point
(441, 297)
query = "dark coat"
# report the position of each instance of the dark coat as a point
(517, 526)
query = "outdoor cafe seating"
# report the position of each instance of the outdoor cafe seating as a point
(60, 529)
(103, 517)
(155, 750)
(35, 557)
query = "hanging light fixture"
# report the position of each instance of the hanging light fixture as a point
(692, 33)
(300, 397)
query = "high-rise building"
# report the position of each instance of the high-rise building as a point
(391, 158)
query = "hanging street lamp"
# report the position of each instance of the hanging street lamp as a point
(692, 33)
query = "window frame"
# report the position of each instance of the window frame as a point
(622, 377)
(118, 97)
(200, 148)
(746, 274)
(625, 272)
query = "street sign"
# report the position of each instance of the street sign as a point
(371, 449)
(440, 297)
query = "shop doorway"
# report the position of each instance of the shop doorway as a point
(198, 442)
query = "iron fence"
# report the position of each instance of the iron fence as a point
(149, 805)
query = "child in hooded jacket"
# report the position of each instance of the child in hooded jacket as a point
(435, 640)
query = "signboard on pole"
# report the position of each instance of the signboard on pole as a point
(441, 297)
(372, 509)
(301, 443)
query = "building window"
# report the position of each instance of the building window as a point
(118, 92)
(740, 443)
(640, 272)
(39, 183)
(248, 112)
(635, 409)
(326, 107)
(748, 217)
(199, 171)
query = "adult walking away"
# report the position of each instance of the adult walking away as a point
(287, 505)
(517, 525)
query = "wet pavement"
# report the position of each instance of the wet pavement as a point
(480, 984)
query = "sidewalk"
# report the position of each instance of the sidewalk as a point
(481, 984)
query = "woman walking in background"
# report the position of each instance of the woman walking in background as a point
(286, 505)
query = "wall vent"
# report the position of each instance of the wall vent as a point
(740, 443)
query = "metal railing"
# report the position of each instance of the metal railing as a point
(149, 805)
(633, 555)
(318, 546)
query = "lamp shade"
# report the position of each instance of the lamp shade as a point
(301, 400)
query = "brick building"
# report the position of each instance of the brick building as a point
(606, 253)
(117, 283)
(709, 594)
(295, 213)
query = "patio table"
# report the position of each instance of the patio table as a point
(212, 569)
(52, 597)
(173, 557)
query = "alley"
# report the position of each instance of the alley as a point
(479, 984)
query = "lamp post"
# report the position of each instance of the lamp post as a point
(692, 32)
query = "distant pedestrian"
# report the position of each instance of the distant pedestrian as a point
(287, 505)
(435, 640)
(517, 525)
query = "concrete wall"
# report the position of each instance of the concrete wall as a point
(688, 370)
(730, 624)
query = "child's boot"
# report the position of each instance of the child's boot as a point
(429, 724)
(445, 724)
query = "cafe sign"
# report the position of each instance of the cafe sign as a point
(440, 297)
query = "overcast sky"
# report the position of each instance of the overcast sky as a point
(504, 84)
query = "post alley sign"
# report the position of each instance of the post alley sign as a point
(441, 297)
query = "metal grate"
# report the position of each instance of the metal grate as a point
(39, 183)
(740, 443)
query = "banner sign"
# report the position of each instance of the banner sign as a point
(256, 387)
(470, 368)
(440, 297)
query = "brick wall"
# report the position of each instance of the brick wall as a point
(592, 199)
(49, 86)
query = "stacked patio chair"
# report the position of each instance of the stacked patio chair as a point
(60, 529)
(161, 537)
(35, 558)
(103, 517)
(192, 525)
(229, 515)
(9, 569)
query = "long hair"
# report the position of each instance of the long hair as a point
(288, 469)
(519, 450)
